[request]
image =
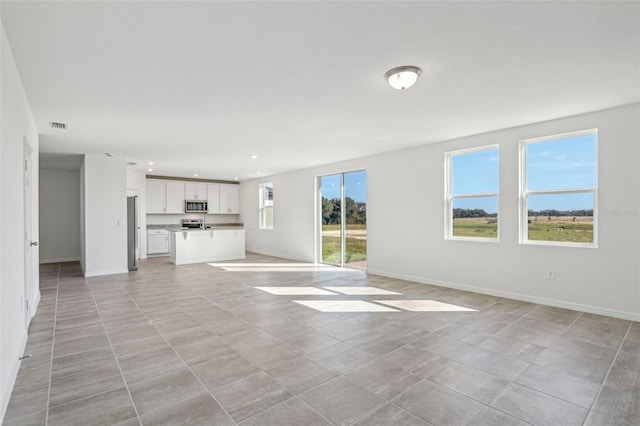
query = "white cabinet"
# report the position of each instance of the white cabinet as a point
(229, 199)
(213, 198)
(165, 197)
(157, 241)
(155, 196)
(195, 191)
(175, 197)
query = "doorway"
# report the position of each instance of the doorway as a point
(343, 219)
(29, 244)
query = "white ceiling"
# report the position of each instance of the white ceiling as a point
(199, 87)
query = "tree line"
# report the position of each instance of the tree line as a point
(463, 213)
(552, 212)
(355, 211)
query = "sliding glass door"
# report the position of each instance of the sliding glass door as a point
(343, 219)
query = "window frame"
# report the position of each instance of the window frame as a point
(524, 193)
(262, 207)
(449, 197)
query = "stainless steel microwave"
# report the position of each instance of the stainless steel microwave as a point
(195, 206)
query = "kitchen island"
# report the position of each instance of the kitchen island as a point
(206, 245)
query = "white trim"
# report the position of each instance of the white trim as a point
(631, 316)
(107, 272)
(283, 256)
(62, 259)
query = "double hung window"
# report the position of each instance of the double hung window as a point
(472, 193)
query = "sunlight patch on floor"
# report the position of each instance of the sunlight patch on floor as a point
(297, 291)
(362, 291)
(424, 306)
(344, 306)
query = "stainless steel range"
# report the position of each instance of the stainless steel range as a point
(192, 223)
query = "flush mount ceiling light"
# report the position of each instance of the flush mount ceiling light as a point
(402, 78)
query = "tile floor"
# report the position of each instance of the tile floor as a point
(203, 345)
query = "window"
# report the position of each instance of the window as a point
(558, 193)
(266, 205)
(472, 193)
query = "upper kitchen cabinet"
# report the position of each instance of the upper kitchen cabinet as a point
(195, 191)
(229, 199)
(213, 198)
(175, 197)
(156, 196)
(165, 197)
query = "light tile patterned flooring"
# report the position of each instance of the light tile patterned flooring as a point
(202, 345)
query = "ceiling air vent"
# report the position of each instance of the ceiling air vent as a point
(131, 163)
(55, 125)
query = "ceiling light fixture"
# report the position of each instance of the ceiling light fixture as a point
(195, 175)
(149, 170)
(150, 163)
(253, 157)
(402, 78)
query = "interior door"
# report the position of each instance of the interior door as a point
(29, 244)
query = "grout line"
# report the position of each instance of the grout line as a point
(53, 345)
(608, 371)
(135, 409)
(177, 354)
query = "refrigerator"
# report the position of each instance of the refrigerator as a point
(132, 233)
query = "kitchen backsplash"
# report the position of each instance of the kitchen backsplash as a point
(174, 219)
(177, 227)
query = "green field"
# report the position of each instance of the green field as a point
(474, 228)
(356, 249)
(562, 232)
(558, 229)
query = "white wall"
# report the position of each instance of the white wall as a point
(406, 221)
(105, 215)
(16, 123)
(60, 218)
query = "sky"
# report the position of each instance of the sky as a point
(355, 186)
(567, 163)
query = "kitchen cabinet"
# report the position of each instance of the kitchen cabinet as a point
(195, 191)
(165, 197)
(156, 193)
(175, 197)
(229, 199)
(211, 245)
(157, 241)
(213, 198)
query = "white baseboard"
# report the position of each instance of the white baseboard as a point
(516, 296)
(62, 259)
(108, 272)
(283, 256)
(36, 303)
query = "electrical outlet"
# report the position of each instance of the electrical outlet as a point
(551, 274)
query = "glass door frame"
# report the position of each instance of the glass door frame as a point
(343, 224)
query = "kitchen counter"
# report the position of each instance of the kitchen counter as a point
(219, 243)
(174, 227)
